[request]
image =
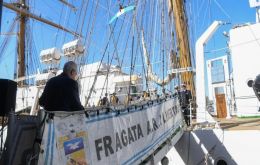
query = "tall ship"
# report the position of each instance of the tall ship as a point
(120, 50)
(138, 52)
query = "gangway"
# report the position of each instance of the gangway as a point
(146, 131)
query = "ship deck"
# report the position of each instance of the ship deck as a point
(236, 123)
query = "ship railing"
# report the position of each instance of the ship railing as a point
(120, 108)
(204, 116)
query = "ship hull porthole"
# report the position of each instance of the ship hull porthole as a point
(165, 161)
(221, 161)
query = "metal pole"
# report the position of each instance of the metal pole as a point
(2, 133)
(1, 7)
(190, 114)
(257, 14)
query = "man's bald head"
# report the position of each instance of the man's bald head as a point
(70, 69)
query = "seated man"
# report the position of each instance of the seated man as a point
(145, 95)
(104, 101)
(164, 93)
(61, 93)
(177, 91)
(154, 95)
(114, 99)
(128, 99)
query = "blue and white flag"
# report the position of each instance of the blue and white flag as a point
(121, 12)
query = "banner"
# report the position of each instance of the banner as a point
(125, 138)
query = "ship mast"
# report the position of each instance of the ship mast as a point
(23, 11)
(177, 9)
(21, 43)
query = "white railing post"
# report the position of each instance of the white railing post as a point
(200, 77)
(190, 114)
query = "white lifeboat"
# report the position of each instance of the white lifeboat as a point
(73, 49)
(50, 56)
(41, 79)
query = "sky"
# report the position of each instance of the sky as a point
(201, 13)
(230, 11)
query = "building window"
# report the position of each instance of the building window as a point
(217, 71)
(219, 90)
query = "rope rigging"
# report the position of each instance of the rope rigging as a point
(124, 35)
(4, 44)
(113, 54)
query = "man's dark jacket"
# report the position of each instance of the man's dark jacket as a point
(61, 93)
(185, 97)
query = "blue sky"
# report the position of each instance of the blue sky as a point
(201, 13)
(232, 11)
